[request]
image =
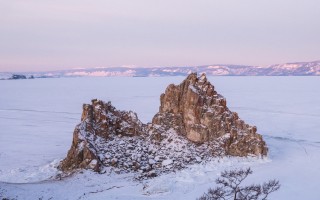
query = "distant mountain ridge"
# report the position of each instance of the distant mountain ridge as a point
(287, 69)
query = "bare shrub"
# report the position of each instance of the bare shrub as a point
(229, 187)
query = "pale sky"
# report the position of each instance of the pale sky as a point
(62, 34)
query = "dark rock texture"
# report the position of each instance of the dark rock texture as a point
(193, 125)
(98, 121)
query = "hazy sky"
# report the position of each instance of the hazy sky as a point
(59, 34)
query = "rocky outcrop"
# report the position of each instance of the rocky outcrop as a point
(193, 125)
(194, 109)
(99, 123)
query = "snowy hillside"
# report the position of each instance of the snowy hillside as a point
(288, 69)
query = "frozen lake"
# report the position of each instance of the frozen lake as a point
(37, 118)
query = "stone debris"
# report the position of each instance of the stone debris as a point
(193, 125)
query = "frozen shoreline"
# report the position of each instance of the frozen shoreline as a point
(287, 159)
(38, 117)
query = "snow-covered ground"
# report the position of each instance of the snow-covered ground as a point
(37, 118)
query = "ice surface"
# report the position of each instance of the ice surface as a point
(37, 118)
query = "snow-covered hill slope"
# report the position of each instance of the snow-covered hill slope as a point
(288, 69)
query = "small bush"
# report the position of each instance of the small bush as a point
(229, 187)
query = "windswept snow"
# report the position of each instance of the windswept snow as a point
(37, 118)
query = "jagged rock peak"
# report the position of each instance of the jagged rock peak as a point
(196, 110)
(193, 125)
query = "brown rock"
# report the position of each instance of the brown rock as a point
(82, 153)
(193, 125)
(196, 110)
(98, 119)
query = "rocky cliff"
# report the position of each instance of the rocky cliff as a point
(193, 125)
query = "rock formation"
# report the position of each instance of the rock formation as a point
(99, 123)
(193, 125)
(194, 109)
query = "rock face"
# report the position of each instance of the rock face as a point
(193, 125)
(194, 109)
(99, 122)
